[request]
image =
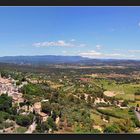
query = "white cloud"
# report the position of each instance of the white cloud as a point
(139, 24)
(91, 54)
(134, 51)
(114, 54)
(98, 46)
(59, 43)
(95, 54)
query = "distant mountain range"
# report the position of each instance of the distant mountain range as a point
(41, 59)
(73, 60)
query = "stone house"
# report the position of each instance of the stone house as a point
(137, 109)
(37, 107)
(43, 116)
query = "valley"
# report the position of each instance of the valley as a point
(52, 99)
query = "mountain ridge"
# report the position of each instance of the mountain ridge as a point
(61, 59)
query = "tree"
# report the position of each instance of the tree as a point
(37, 119)
(125, 125)
(33, 90)
(124, 103)
(112, 100)
(82, 97)
(41, 128)
(4, 115)
(89, 99)
(71, 98)
(13, 110)
(102, 116)
(93, 99)
(31, 116)
(51, 123)
(112, 129)
(5, 102)
(55, 108)
(22, 104)
(54, 115)
(105, 99)
(95, 131)
(46, 108)
(107, 118)
(1, 119)
(60, 115)
(54, 97)
(23, 79)
(24, 120)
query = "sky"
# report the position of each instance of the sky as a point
(92, 31)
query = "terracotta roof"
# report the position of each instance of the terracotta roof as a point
(37, 105)
(85, 79)
(42, 114)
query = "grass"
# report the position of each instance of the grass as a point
(21, 129)
(97, 119)
(96, 116)
(137, 97)
(130, 97)
(115, 112)
(113, 119)
(124, 91)
(134, 104)
(55, 86)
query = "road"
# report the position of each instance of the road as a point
(137, 114)
(31, 128)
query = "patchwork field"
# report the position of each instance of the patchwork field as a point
(96, 116)
(123, 91)
(114, 112)
(137, 97)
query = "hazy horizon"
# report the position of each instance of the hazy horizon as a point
(71, 56)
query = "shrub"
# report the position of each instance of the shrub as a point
(113, 114)
(112, 129)
(24, 120)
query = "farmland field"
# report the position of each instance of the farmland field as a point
(123, 91)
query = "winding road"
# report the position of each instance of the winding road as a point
(138, 115)
(31, 128)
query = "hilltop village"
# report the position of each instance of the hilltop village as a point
(9, 88)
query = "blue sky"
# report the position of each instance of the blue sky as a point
(95, 32)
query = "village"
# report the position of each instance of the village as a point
(8, 86)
